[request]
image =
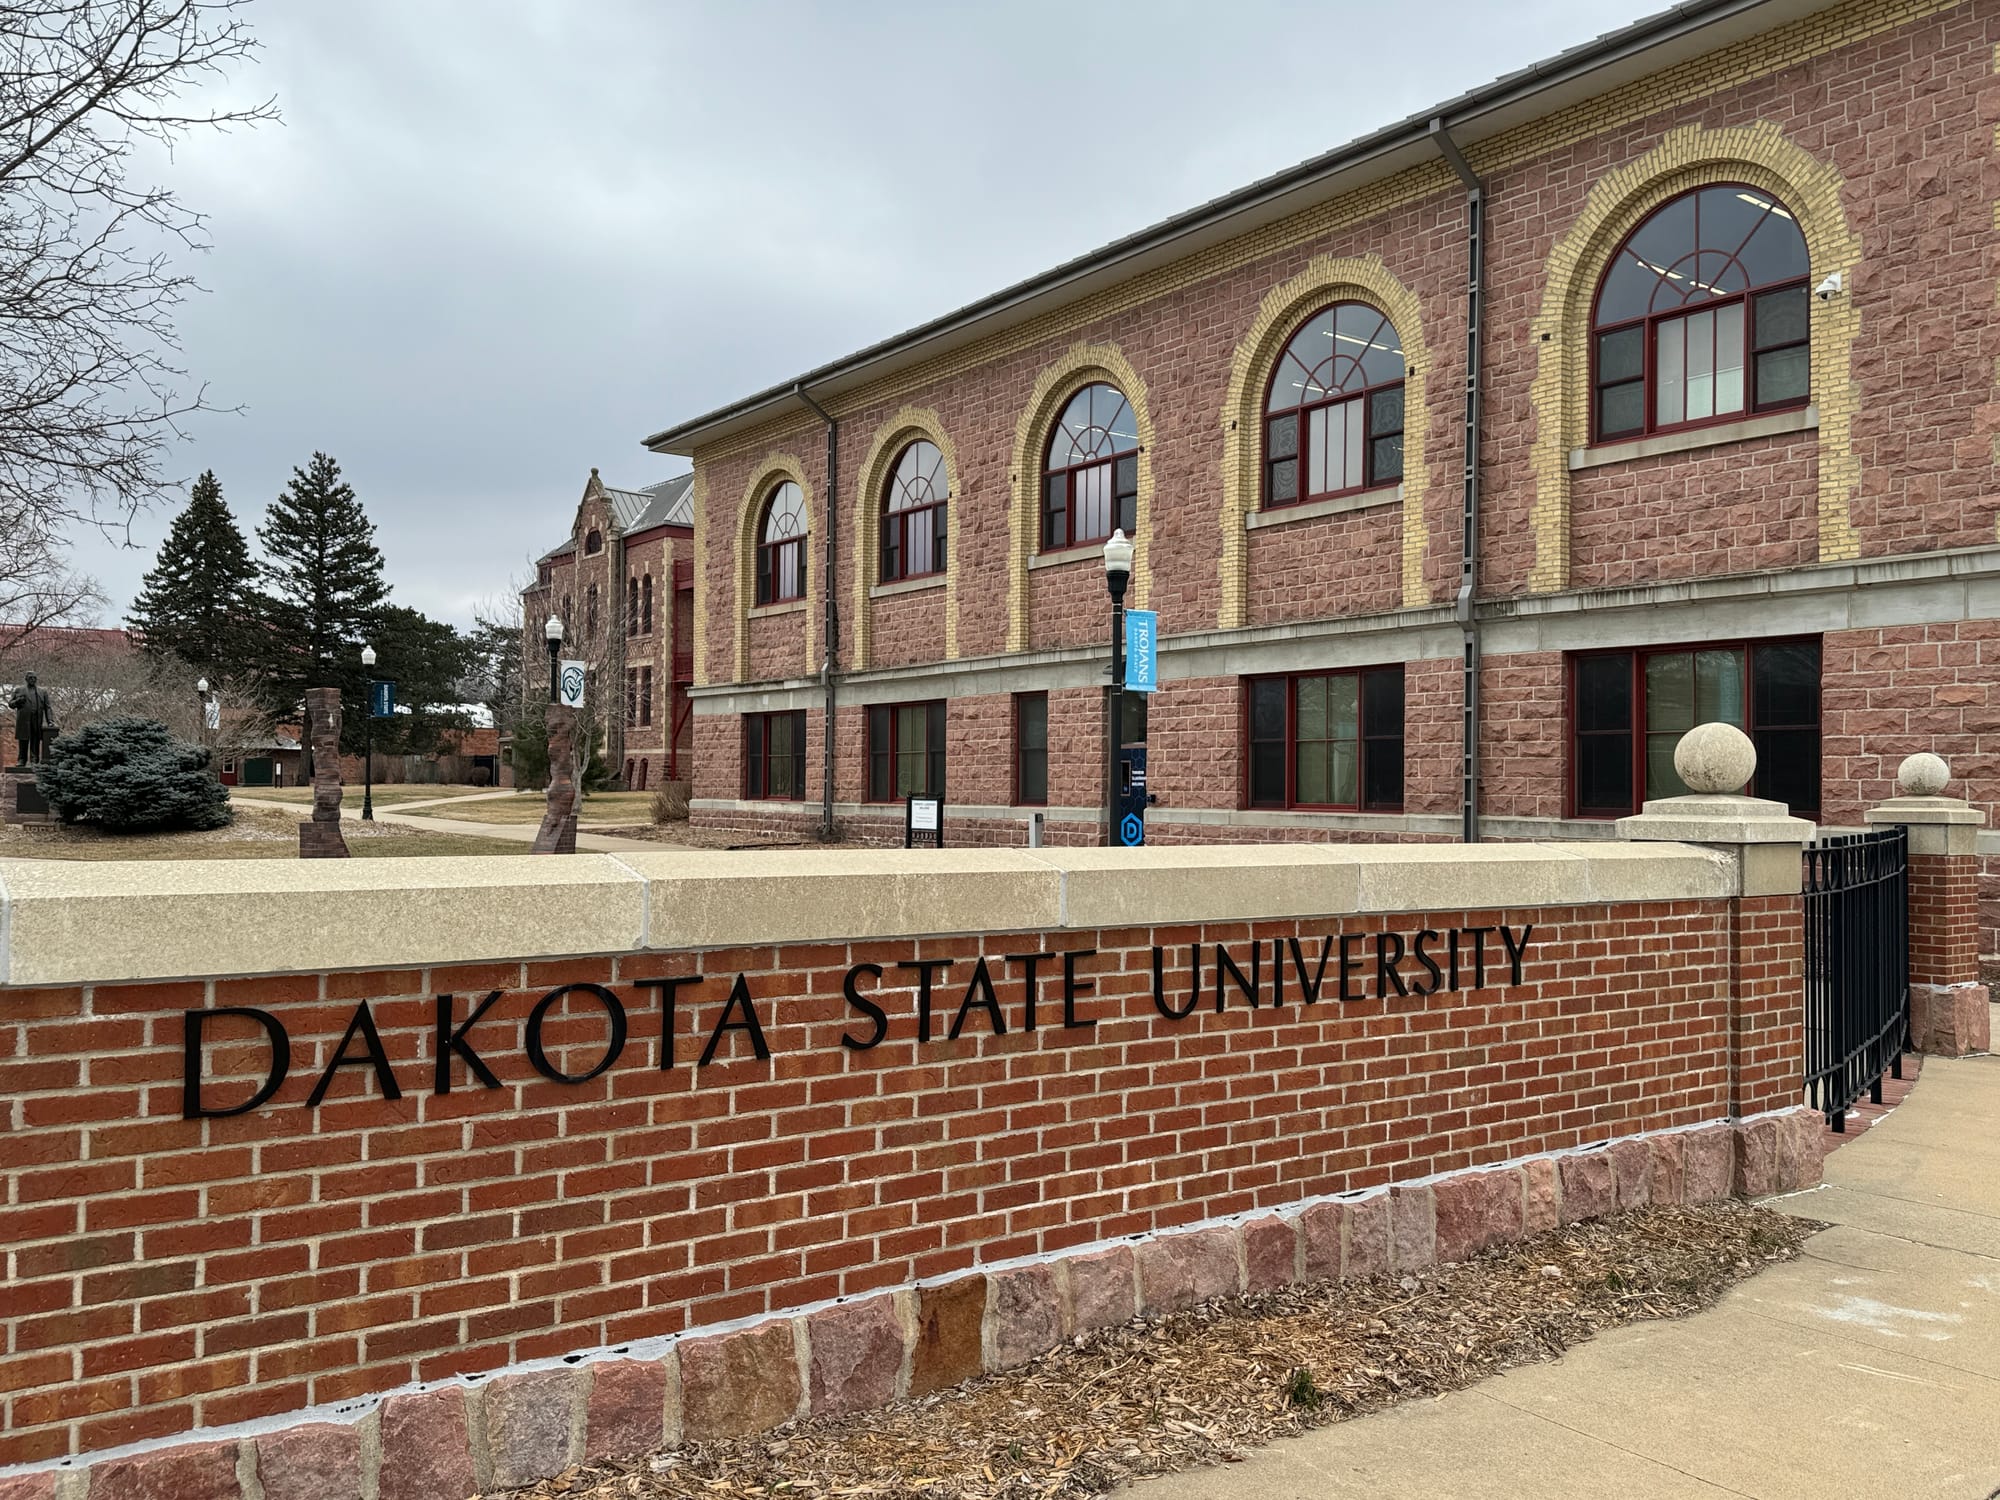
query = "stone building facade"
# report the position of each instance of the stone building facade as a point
(1733, 272)
(623, 585)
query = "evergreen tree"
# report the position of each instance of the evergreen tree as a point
(426, 659)
(323, 593)
(197, 600)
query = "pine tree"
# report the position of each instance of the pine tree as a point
(197, 601)
(323, 594)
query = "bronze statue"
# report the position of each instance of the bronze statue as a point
(34, 722)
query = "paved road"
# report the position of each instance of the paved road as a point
(1868, 1367)
(517, 833)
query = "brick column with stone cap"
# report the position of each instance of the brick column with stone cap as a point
(1777, 1136)
(1948, 1014)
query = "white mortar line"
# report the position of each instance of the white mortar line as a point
(660, 1345)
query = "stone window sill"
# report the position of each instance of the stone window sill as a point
(1772, 424)
(790, 606)
(1069, 556)
(906, 586)
(1284, 515)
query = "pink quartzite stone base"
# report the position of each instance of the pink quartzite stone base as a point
(1950, 1020)
(854, 1355)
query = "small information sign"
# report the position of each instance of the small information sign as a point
(381, 700)
(923, 823)
(1142, 651)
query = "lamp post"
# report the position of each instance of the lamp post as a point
(201, 705)
(1117, 574)
(554, 632)
(368, 740)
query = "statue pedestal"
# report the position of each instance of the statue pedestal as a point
(21, 801)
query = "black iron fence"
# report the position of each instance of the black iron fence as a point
(1857, 966)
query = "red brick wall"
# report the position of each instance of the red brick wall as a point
(1944, 919)
(170, 1274)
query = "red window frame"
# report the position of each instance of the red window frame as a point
(1649, 326)
(882, 742)
(774, 558)
(1069, 474)
(1301, 413)
(758, 757)
(1367, 735)
(1021, 799)
(1638, 657)
(896, 523)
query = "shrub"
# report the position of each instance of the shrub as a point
(132, 776)
(670, 801)
(480, 776)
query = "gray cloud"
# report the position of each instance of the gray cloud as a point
(497, 242)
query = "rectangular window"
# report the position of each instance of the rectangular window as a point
(905, 751)
(774, 756)
(631, 696)
(1031, 749)
(1628, 710)
(1327, 740)
(645, 695)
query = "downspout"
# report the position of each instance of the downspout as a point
(830, 630)
(1464, 607)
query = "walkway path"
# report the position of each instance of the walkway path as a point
(517, 833)
(1870, 1366)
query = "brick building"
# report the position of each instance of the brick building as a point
(1717, 293)
(624, 586)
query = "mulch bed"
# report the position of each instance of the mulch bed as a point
(1200, 1387)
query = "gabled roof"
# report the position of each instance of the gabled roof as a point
(668, 503)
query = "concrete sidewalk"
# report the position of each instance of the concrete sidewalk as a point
(511, 833)
(1868, 1367)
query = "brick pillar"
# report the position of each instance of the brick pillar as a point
(321, 838)
(1948, 1014)
(558, 831)
(1777, 1148)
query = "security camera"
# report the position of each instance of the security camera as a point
(1828, 289)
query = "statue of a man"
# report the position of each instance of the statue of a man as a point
(34, 721)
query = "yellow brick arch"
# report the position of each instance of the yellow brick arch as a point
(1079, 367)
(1760, 156)
(887, 445)
(774, 469)
(1325, 280)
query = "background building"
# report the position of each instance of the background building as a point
(624, 586)
(1719, 294)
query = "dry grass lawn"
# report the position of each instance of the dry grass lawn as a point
(257, 833)
(385, 796)
(604, 808)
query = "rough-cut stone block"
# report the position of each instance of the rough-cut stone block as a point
(1756, 1158)
(626, 1413)
(1270, 1254)
(425, 1453)
(28, 1487)
(1800, 1152)
(1669, 1185)
(1367, 1236)
(1476, 1211)
(857, 1354)
(948, 1324)
(1412, 1229)
(190, 1471)
(1542, 1208)
(1710, 1157)
(1632, 1168)
(1178, 1270)
(1321, 1228)
(1103, 1289)
(1589, 1186)
(527, 1426)
(738, 1383)
(1024, 1313)
(319, 1461)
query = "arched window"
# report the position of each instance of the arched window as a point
(914, 514)
(781, 546)
(631, 606)
(1090, 480)
(1702, 315)
(593, 543)
(1334, 416)
(646, 607)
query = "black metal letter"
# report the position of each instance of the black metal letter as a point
(739, 993)
(193, 1022)
(1516, 952)
(1160, 984)
(450, 1041)
(669, 994)
(539, 1057)
(1072, 987)
(363, 1022)
(866, 1006)
(981, 980)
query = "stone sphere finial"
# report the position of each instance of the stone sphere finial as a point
(1922, 775)
(1715, 759)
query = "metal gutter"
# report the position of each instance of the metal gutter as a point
(1412, 136)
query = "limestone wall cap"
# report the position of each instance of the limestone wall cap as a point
(1909, 810)
(112, 922)
(1707, 819)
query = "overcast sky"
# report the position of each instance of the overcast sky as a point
(495, 243)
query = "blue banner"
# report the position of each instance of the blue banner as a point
(381, 700)
(1142, 651)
